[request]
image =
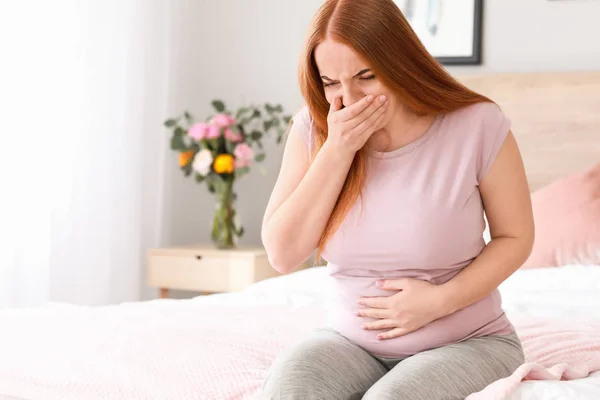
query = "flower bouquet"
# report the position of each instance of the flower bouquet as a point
(221, 149)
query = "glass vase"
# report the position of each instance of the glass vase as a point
(223, 227)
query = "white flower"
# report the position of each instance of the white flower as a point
(202, 162)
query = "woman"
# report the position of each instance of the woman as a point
(386, 173)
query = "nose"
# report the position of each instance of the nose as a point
(350, 95)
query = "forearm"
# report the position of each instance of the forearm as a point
(292, 233)
(498, 260)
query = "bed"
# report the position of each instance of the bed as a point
(219, 347)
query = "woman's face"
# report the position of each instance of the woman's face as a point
(346, 75)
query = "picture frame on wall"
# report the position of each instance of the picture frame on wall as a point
(451, 30)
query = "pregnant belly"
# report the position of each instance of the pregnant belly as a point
(481, 318)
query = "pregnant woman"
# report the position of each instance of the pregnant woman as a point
(386, 173)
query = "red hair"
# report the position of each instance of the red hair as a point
(378, 32)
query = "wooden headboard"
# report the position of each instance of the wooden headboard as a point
(555, 116)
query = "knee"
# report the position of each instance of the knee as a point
(295, 375)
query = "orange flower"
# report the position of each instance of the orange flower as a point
(224, 164)
(185, 158)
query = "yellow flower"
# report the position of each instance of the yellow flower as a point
(185, 158)
(224, 164)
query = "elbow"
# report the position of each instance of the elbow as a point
(280, 263)
(282, 257)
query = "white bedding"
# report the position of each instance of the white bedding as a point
(572, 290)
(143, 338)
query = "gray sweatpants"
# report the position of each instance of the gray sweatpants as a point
(327, 366)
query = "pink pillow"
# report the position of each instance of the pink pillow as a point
(567, 221)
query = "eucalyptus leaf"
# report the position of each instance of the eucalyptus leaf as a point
(211, 186)
(218, 105)
(199, 178)
(242, 171)
(260, 157)
(241, 112)
(287, 119)
(179, 131)
(256, 113)
(188, 117)
(256, 135)
(170, 123)
(177, 143)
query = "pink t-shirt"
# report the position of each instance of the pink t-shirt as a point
(421, 217)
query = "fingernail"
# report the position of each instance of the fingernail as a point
(369, 99)
(379, 337)
(382, 98)
(379, 283)
(363, 326)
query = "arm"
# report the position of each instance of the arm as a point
(302, 201)
(507, 202)
(304, 196)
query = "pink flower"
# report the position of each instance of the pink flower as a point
(232, 136)
(243, 155)
(222, 120)
(213, 131)
(198, 131)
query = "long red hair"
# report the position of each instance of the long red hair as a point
(378, 32)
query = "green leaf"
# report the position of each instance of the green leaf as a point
(211, 186)
(242, 171)
(256, 113)
(241, 112)
(260, 157)
(218, 105)
(170, 123)
(240, 231)
(269, 108)
(199, 178)
(287, 119)
(278, 108)
(280, 134)
(256, 135)
(267, 125)
(188, 117)
(177, 143)
(187, 169)
(179, 131)
(275, 122)
(259, 143)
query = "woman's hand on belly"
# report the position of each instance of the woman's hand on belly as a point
(415, 304)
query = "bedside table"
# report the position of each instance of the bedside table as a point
(207, 269)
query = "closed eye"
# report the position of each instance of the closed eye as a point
(362, 78)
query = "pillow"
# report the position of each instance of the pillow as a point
(567, 221)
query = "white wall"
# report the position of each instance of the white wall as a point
(540, 35)
(242, 50)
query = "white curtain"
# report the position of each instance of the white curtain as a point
(83, 87)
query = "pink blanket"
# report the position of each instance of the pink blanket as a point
(191, 350)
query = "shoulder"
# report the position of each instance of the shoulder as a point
(302, 125)
(481, 129)
(483, 115)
